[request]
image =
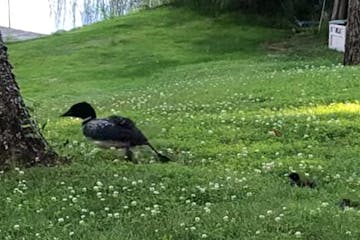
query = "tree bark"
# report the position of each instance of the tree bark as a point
(20, 139)
(352, 45)
(343, 8)
(335, 10)
(339, 9)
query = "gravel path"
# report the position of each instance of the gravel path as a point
(12, 35)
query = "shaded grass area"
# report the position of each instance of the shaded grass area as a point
(208, 92)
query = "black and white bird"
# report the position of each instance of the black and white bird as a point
(114, 131)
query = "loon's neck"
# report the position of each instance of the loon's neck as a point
(88, 119)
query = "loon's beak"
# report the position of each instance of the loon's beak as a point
(67, 114)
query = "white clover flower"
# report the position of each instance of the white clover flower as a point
(277, 219)
(133, 203)
(81, 222)
(324, 204)
(261, 216)
(116, 215)
(204, 235)
(53, 198)
(60, 220)
(257, 232)
(197, 219)
(298, 234)
(71, 233)
(226, 218)
(16, 226)
(268, 212)
(91, 213)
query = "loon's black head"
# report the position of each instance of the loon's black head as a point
(294, 176)
(81, 110)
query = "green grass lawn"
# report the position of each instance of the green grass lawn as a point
(207, 92)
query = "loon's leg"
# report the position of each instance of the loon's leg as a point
(129, 155)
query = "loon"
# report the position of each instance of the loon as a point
(114, 131)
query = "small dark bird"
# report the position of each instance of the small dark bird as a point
(301, 180)
(347, 203)
(114, 131)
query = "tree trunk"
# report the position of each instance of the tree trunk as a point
(335, 10)
(339, 9)
(20, 139)
(352, 45)
(343, 8)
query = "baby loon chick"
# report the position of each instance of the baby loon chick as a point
(301, 180)
(114, 131)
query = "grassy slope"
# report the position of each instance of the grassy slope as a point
(207, 92)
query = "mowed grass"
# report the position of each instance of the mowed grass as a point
(207, 92)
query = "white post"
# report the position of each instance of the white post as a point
(9, 13)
